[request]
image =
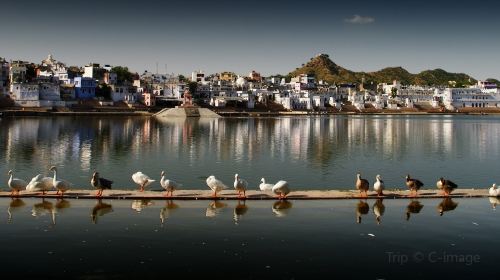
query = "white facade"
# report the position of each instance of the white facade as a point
(123, 93)
(24, 92)
(49, 91)
(487, 87)
(198, 76)
(387, 88)
(454, 98)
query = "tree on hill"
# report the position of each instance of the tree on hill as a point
(325, 69)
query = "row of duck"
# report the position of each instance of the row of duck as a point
(281, 188)
(280, 208)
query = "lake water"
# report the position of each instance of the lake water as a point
(109, 239)
(309, 152)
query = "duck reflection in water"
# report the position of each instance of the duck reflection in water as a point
(362, 208)
(139, 205)
(494, 202)
(42, 208)
(14, 206)
(446, 205)
(378, 210)
(239, 210)
(62, 204)
(166, 211)
(413, 208)
(100, 209)
(214, 209)
(281, 208)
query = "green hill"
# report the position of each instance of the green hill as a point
(325, 69)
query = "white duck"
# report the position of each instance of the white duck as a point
(142, 180)
(379, 186)
(240, 185)
(168, 185)
(281, 189)
(494, 191)
(40, 183)
(265, 187)
(60, 185)
(15, 184)
(215, 184)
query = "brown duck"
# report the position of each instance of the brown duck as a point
(446, 186)
(362, 185)
(413, 184)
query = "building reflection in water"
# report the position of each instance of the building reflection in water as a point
(325, 147)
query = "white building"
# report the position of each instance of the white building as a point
(387, 88)
(26, 95)
(198, 76)
(123, 93)
(487, 87)
(454, 98)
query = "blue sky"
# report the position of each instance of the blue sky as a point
(241, 36)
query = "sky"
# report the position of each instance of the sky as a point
(267, 36)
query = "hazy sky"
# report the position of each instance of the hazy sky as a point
(267, 36)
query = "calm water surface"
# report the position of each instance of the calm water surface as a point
(87, 239)
(309, 152)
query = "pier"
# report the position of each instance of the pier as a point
(251, 194)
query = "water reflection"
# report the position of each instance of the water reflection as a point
(139, 205)
(14, 206)
(100, 209)
(281, 208)
(166, 211)
(446, 205)
(414, 207)
(310, 145)
(43, 208)
(494, 201)
(239, 210)
(362, 208)
(378, 210)
(214, 209)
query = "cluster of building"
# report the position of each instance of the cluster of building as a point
(51, 84)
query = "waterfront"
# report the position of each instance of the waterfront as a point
(309, 152)
(91, 239)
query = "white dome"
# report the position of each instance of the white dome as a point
(240, 81)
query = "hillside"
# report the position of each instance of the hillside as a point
(325, 69)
